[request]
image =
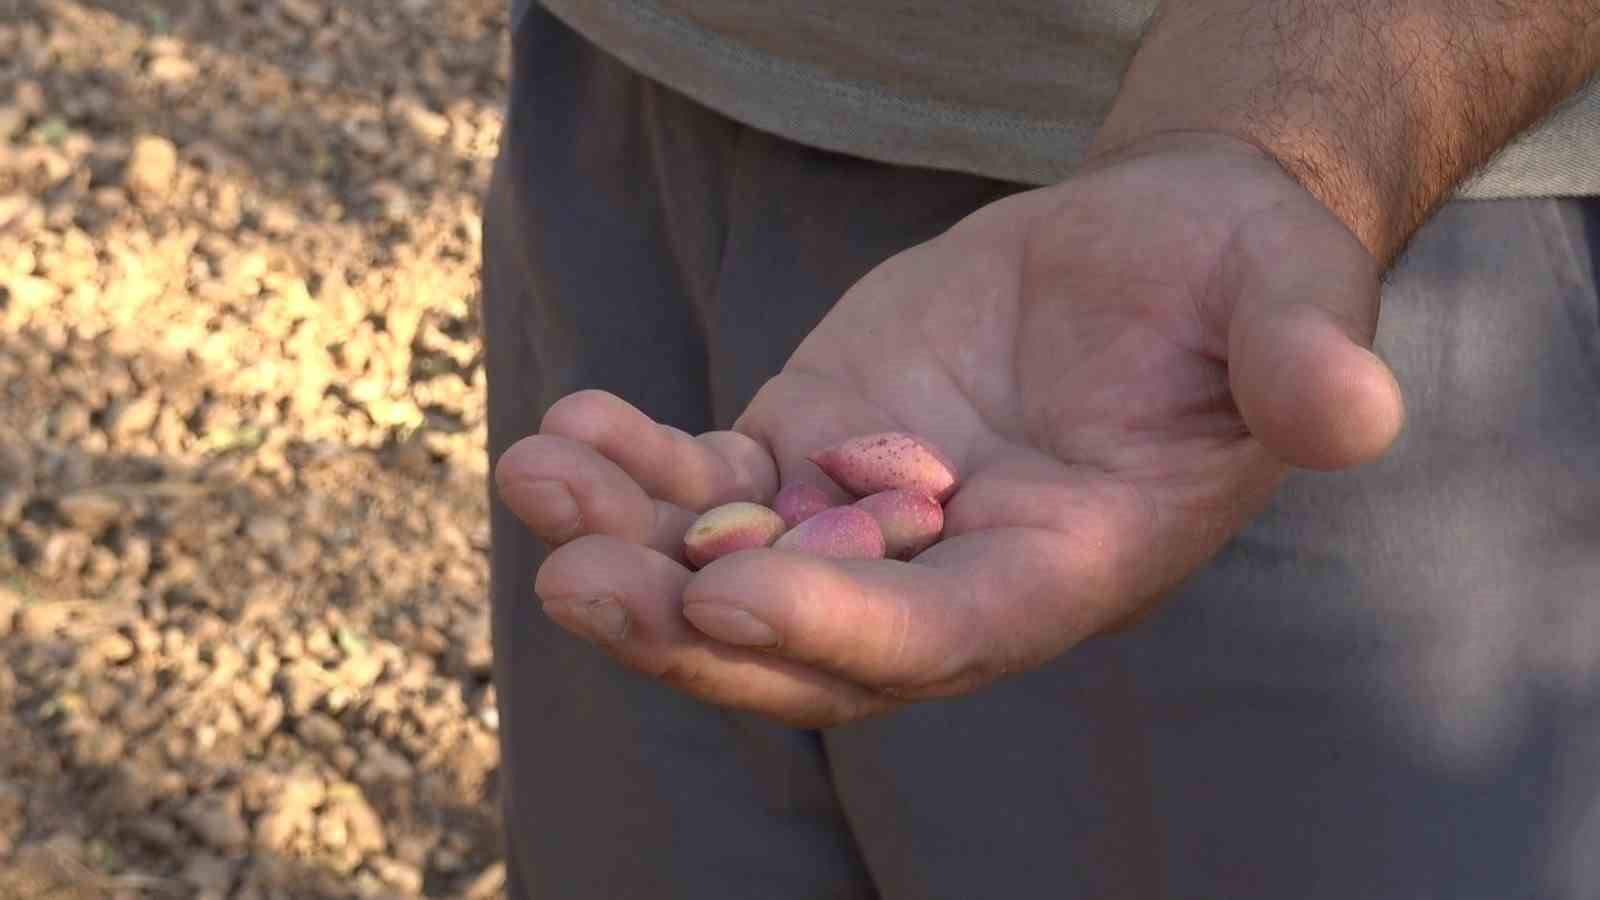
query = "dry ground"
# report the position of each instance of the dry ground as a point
(243, 642)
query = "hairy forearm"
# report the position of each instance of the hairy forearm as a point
(1379, 107)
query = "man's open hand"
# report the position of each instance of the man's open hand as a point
(1122, 366)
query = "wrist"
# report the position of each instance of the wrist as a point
(1379, 109)
(1111, 147)
(1336, 185)
(1336, 171)
(1337, 174)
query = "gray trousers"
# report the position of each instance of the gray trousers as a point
(1388, 687)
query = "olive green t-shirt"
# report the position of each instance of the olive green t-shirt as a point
(1010, 89)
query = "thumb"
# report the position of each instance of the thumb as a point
(1304, 294)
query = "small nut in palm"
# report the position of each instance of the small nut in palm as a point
(887, 461)
(842, 532)
(730, 528)
(799, 502)
(911, 521)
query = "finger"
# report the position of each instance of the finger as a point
(562, 490)
(695, 473)
(1300, 334)
(973, 607)
(910, 630)
(1036, 558)
(627, 600)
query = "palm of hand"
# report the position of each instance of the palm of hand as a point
(1092, 355)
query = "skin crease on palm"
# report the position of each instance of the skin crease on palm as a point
(1123, 367)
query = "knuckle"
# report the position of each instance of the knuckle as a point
(582, 416)
(962, 679)
(516, 460)
(751, 474)
(680, 673)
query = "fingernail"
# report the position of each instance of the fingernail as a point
(549, 509)
(601, 618)
(730, 625)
